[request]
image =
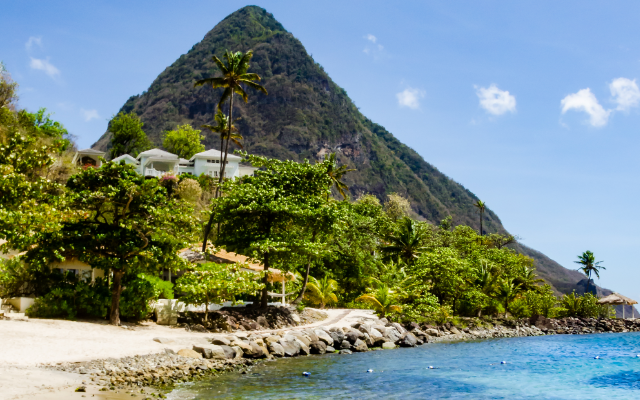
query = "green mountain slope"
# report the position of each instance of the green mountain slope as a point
(305, 116)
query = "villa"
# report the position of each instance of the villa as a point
(157, 162)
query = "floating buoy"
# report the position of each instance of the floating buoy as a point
(430, 367)
(306, 373)
(638, 355)
(369, 370)
(596, 357)
(503, 362)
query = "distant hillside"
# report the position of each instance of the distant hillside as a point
(305, 116)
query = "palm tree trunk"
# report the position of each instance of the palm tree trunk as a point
(207, 229)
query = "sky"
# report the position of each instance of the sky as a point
(534, 106)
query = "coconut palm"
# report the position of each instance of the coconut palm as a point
(336, 173)
(381, 299)
(407, 242)
(528, 279)
(589, 265)
(234, 77)
(485, 281)
(507, 291)
(481, 207)
(322, 291)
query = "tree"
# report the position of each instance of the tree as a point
(266, 216)
(216, 283)
(322, 291)
(8, 89)
(589, 266)
(397, 206)
(121, 223)
(222, 128)
(234, 76)
(407, 243)
(506, 291)
(128, 136)
(336, 173)
(184, 141)
(480, 205)
(382, 299)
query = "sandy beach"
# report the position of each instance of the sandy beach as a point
(27, 344)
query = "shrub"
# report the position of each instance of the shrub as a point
(519, 308)
(189, 190)
(161, 289)
(73, 298)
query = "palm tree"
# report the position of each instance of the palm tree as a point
(222, 128)
(589, 265)
(528, 279)
(234, 76)
(480, 206)
(382, 299)
(336, 173)
(507, 291)
(484, 281)
(407, 243)
(322, 291)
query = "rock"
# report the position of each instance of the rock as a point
(296, 318)
(254, 351)
(337, 336)
(262, 321)
(220, 341)
(411, 326)
(276, 349)
(432, 332)
(454, 330)
(354, 335)
(384, 321)
(324, 337)
(302, 337)
(318, 347)
(399, 328)
(540, 322)
(388, 345)
(169, 351)
(242, 344)
(345, 351)
(163, 340)
(229, 352)
(198, 328)
(272, 339)
(239, 352)
(364, 328)
(367, 339)
(313, 337)
(291, 347)
(330, 349)
(392, 335)
(304, 349)
(189, 353)
(345, 345)
(359, 345)
(212, 352)
(408, 340)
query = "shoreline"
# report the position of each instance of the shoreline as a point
(206, 355)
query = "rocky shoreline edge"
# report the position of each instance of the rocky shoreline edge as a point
(239, 351)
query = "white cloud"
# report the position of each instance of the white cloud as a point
(410, 97)
(625, 93)
(586, 101)
(37, 40)
(496, 101)
(371, 38)
(90, 114)
(44, 65)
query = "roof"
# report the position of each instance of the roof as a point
(157, 153)
(616, 298)
(184, 161)
(91, 151)
(222, 256)
(125, 156)
(215, 154)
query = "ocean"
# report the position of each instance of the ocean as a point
(542, 367)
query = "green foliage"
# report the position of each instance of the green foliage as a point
(216, 283)
(189, 190)
(321, 291)
(184, 141)
(8, 89)
(128, 136)
(382, 299)
(407, 243)
(585, 306)
(396, 206)
(161, 289)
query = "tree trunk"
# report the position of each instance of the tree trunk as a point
(207, 229)
(264, 302)
(481, 230)
(304, 284)
(116, 290)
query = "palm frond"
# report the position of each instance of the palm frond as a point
(254, 86)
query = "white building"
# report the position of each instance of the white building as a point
(158, 162)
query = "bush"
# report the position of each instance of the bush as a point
(139, 292)
(585, 306)
(189, 190)
(519, 308)
(161, 289)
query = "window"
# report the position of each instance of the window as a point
(85, 275)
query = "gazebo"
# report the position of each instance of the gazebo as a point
(618, 299)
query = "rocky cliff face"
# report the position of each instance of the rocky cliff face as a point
(305, 116)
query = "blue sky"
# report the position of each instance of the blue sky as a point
(532, 105)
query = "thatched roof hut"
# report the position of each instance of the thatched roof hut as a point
(617, 299)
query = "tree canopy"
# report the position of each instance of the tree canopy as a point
(184, 141)
(128, 136)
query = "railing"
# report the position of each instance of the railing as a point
(153, 172)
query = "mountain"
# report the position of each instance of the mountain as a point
(305, 116)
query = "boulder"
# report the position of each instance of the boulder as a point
(432, 332)
(330, 349)
(272, 339)
(324, 337)
(304, 348)
(454, 330)
(399, 328)
(388, 345)
(211, 351)
(408, 340)
(291, 347)
(367, 339)
(337, 336)
(411, 326)
(345, 345)
(318, 347)
(262, 321)
(189, 353)
(242, 344)
(392, 335)
(254, 351)
(239, 352)
(345, 351)
(301, 337)
(359, 345)
(384, 321)
(296, 318)
(364, 328)
(540, 322)
(229, 352)
(220, 341)
(276, 349)
(313, 337)
(354, 335)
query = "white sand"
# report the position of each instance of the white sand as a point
(26, 344)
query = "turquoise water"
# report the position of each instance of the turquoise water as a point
(547, 367)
